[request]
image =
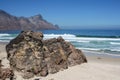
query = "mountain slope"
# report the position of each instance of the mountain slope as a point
(10, 22)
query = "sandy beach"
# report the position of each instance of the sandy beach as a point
(99, 67)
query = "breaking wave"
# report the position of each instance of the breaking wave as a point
(105, 44)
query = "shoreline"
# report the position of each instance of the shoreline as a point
(99, 67)
(100, 53)
(99, 57)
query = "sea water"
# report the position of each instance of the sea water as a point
(105, 41)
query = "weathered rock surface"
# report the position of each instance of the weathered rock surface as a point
(32, 55)
(6, 72)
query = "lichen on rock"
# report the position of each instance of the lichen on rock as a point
(32, 55)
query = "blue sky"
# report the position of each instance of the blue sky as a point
(76, 14)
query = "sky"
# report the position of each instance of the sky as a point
(69, 14)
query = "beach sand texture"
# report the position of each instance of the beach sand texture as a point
(99, 67)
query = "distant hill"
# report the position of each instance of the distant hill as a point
(10, 22)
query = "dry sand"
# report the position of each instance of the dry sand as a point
(99, 67)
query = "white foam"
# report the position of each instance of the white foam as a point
(72, 37)
(4, 40)
(9, 38)
(98, 39)
(4, 34)
(83, 41)
(115, 50)
(103, 52)
(65, 36)
(92, 49)
(115, 43)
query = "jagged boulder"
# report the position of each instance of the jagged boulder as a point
(32, 55)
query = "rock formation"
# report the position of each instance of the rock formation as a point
(10, 22)
(30, 54)
(5, 72)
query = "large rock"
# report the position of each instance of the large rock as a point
(32, 55)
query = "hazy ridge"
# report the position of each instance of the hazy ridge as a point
(10, 22)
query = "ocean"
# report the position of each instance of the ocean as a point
(105, 41)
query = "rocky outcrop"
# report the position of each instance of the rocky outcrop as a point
(32, 55)
(6, 72)
(9, 22)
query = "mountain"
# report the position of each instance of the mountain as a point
(10, 22)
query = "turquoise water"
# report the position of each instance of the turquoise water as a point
(105, 41)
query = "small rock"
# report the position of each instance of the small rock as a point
(99, 58)
(51, 79)
(37, 79)
(6, 73)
